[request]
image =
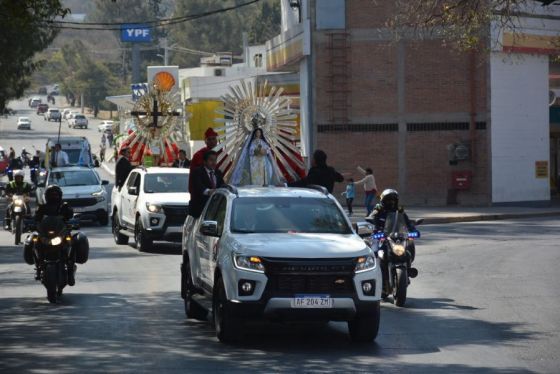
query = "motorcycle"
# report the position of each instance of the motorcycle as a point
(396, 250)
(18, 213)
(55, 251)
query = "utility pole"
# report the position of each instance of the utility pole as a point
(135, 63)
(165, 52)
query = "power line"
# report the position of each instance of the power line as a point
(64, 25)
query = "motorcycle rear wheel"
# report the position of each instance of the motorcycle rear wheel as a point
(401, 284)
(18, 229)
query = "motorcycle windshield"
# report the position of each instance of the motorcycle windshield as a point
(395, 223)
(51, 226)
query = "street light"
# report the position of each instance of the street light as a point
(296, 4)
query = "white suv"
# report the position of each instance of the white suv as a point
(82, 189)
(52, 114)
(152, 205)
(278, 254)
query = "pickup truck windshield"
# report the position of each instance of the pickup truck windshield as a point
(287, 214)
(166, 183)
(74, 178)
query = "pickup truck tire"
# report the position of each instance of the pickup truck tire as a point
(193, 310)
(228, 328)
(119, 238)
(141, 242)
(364, 329)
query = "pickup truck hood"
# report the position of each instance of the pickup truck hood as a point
(300, 245)
(82, 191)
(179, 198)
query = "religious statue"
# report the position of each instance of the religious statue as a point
(259, 137)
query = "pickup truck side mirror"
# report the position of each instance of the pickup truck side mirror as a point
(209, 228)
(363, 229)
(419, 221)
(133, 190)
(104, 182)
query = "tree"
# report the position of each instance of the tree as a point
(23, 34)
(463, 23)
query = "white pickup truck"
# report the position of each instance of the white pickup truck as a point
(151, 205)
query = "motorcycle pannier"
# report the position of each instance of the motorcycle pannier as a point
(80, 247)
(28, 251)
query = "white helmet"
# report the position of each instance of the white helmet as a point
(19, 173)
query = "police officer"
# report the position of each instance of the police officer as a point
(16, 187)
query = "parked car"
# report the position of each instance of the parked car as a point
(278, 254)
(42, 108)
(53, 114)
(152, 205)
(82, 189)
(105, 125)
(78, 120)
(24, 123)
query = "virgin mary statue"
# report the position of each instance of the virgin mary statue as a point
(256, 165)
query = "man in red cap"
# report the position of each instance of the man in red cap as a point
(211, 140)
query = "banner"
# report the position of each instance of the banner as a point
(203, 115)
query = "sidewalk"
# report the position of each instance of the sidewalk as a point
(438, 215)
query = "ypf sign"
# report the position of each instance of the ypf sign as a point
(136, 33)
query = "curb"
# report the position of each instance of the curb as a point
(488, 217)
(108, 169)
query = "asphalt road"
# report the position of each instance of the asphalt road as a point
(486, 300)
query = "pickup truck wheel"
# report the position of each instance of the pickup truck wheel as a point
(363, 329)
(193, 310)
(141, 242)
(228, 328)
(119, 238)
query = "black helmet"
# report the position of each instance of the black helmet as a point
(53, 194)
(390, 199)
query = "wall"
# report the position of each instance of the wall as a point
(519, 126)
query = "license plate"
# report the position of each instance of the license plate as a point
(78, 210)
(312, 301)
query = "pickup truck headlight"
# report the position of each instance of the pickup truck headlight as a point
(365, 263)
(153, 208)
(249, 263)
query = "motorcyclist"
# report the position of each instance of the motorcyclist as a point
(389, 203)
(16, 187)
(54, 206)
(15, 164)
(25, 156)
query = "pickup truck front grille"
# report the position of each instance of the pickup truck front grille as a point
(175, 215)
(289, 277)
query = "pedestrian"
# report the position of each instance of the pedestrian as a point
(103, 140)
(370, 188)
(110, 139)
(205, 180)
(182, 161)
(350, 194)
(211, 140)
(320, 173)
(123, 167)
(102, 150)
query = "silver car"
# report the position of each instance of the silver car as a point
(278, 254)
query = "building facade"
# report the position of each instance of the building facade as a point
(441, 126)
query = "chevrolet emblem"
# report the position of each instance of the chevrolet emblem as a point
(339, 281)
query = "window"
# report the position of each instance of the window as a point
(286, 214)
(74, 178)
(131, 180)
(217, 211)
(331, 14)
(166, 183)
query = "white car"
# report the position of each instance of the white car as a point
(52, 114)
(105, 125)
(78, 120)
(65, 112)
(71, 115)
(82, 189)
(278, 254)
(24, 123)
(152, 205)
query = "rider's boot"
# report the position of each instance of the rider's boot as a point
(71, 274)
(7, 223)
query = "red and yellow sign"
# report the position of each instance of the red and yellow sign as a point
(531, 43)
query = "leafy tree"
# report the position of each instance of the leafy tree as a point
(463, 23)
(23, 34)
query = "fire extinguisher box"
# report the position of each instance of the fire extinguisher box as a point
(461, 180)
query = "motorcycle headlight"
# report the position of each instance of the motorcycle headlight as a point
(250, 263)
(18, 201)
(56, 241)
(365, 263)
(398, 249)
(153, 208)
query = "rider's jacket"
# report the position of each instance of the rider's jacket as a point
(379, 216)
(15, 188)
(61, 209)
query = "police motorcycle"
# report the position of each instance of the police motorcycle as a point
(18, 216)
(396, 249)
(54, 250)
